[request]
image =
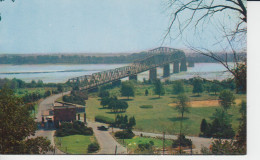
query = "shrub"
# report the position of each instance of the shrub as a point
(146, 106)
(77, 127)
(104, 119)
(93, 147)
(181, 140)
(128, 134)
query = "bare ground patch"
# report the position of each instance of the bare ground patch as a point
(205, 103)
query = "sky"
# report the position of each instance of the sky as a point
(90, 26)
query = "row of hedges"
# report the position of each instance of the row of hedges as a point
(77, 127)
(104, 119)
(128, 134)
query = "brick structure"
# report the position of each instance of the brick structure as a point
(63, 112)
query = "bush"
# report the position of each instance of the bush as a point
(146, 106)
(181, 140)
(77, 127)
(93, 147)
(104, 119)
(124, 134)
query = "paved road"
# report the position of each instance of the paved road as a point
(45, 105)
(106, 141)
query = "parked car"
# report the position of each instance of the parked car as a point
(102, 128)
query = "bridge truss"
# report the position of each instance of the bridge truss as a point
(156, 58)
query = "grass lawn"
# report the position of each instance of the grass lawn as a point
(74, 144)
(132, 144)
(23, 91)
(162, 117)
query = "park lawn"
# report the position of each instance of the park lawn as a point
(132, 144)
(74, 144)
(23, 91)
(163, 117)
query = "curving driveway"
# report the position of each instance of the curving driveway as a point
(108, 145)
(45, 105)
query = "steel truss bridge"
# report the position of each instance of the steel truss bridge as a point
(159, 57)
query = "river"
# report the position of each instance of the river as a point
(55, 73)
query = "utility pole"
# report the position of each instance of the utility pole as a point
(191, 148)
(115, 149)
(163, 142)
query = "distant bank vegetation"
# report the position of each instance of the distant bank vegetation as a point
(84, 59)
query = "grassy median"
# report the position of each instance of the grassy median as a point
(74, 144)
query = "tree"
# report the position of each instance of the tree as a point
(197, 86)
(197, 12)
(103, 93)
(203, 125)
(241, 134)
(105, 101)
(177, 87)
(40, 83)
(226, 99)
(146, 92)
(60, 88)
(16, 126)
(132, 122)
(215, 88)
(127, 89)
(182, 107)
(158, 88)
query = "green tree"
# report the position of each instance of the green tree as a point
(103, 93)
(215, 88)
(241, 134)
(146, 92)
(203, 125)
(16, 126)
(40, 83)
(197, 86)
(177, 87)
(127, 89)
(182, 106)
(226, 99)
(105, 101)
(60, 88)
(158, 88)
(132, 122)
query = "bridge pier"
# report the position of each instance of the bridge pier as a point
(166, 70)
(176, 67)
(190, 63)
(183, 65)
(133, 77)
(152, 74)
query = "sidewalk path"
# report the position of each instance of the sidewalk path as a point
(106, 141)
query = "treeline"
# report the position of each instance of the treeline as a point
(199, 58)
(17, 83)
(76, 97)
(70, 59)
(83, 59)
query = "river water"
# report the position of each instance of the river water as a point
(61, 73)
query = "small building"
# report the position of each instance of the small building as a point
(66, 112)
(63, 113)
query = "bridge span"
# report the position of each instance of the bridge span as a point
(158, 57)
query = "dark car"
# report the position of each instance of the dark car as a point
(102, 128)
